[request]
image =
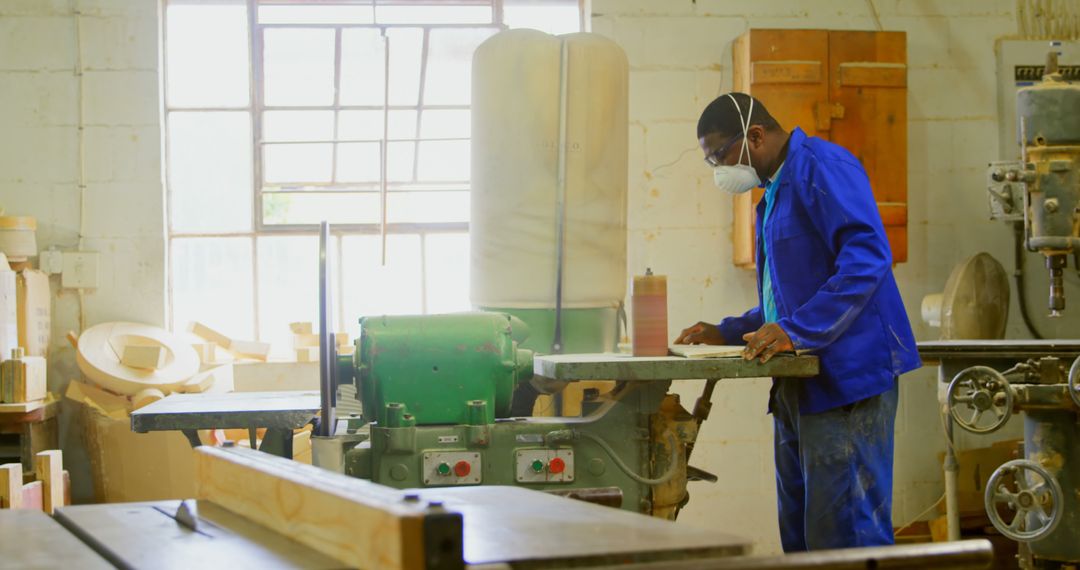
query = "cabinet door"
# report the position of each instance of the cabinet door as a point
(844, 86)
(787, 70)
(868, 96)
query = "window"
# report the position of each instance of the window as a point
(283, 113)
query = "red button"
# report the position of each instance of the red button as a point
(462, 468)
(557, 466)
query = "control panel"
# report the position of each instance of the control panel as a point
(442, 468)
(544, 465)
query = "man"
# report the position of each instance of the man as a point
(826, 287)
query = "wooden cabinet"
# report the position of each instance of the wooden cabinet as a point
(849, 87)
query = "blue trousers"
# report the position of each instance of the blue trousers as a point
(833, 471)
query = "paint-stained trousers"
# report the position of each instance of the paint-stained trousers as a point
(833, 471)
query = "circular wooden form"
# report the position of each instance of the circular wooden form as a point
(99, 351)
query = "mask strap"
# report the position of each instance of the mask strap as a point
(745, 148)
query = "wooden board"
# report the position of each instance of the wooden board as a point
(705, 351)
(11, 483)
(358, 522)
(143, 356)
(50, 471)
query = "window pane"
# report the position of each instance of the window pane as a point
(444, 160)
(363, 60)
(360, 125)
(402, 125)
(449, 69)
(212, 284)
(399, 161)
(207, 55)
(427, 207)
(406, 49)
(209, 171)
(433, 14)
(299, 67)
(293, 126)
(315, 14)
(288, 288)
(374, 289)
(446, 259)
(314, 207)
(445, 124)
(551, 16)
(298, 163)
(358, 162)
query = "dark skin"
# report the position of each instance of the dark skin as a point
(768, 149)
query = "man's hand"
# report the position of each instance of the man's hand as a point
(766, 342)
(701, 333)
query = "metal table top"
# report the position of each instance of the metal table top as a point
(32, 539)
(572, 367)
(144, 535)
(933, 351)
(503, 525)
(511, 525)
(286, 410)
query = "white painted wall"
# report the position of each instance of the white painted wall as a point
(680, 225)
(39, 161)
(680, 53)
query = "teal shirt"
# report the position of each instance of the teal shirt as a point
(768, 301)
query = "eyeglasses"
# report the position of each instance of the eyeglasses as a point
(716, 158)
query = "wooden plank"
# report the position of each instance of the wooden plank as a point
(250, 349)
(785, 72)
(33, 497)
(873, 74)
(210, 334)
(893, 213)
(50, 471)
(21, 407)
(11, 483)
(358, 522)
(150, 357)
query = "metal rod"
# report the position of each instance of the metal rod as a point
(560, 198)
(948, 555)
(327, 386)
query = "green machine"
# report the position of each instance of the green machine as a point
(436, 393)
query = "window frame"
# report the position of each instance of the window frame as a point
(255, 108)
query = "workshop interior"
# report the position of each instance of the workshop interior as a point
(396, 284)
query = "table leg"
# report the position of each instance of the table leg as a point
(278, 441)
(192, 436)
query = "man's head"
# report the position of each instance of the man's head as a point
(721, 134)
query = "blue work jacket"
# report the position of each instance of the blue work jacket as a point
(831, 270)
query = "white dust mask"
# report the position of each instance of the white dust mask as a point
(740, 177)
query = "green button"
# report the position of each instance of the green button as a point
(538, 466)
(443, 469)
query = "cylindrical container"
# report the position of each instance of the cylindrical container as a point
(544, 106)
(17, 239)
(648, 302)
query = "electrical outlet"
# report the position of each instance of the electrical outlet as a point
(51, 261)
(80, 270)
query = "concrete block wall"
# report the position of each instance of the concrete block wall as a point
(680, 224)
(123, 218)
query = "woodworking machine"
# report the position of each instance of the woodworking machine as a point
(436, 393)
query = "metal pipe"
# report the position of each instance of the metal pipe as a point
(327, 386)
(560, 197)
(952, 470)
(966, 554)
